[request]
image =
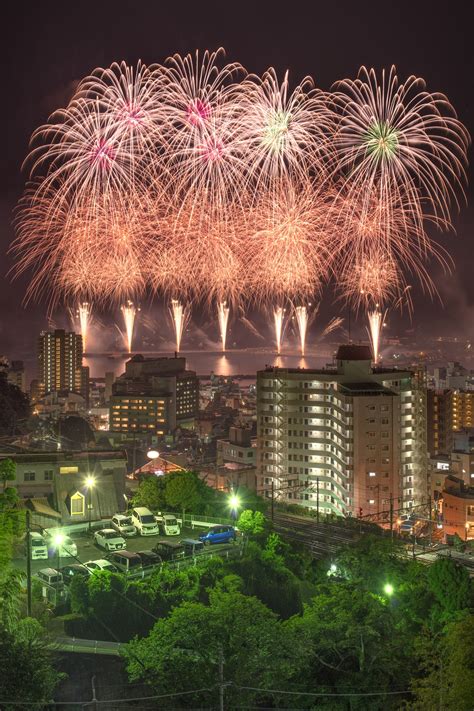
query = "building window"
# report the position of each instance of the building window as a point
(77, 504)
(68, 470)
(29, 476)
(371, 473)
(48, 475)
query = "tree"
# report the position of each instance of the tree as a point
(15, 408)
(266, 576)
(446, 678)
(352, 644)
(450, 584)
(27, 676)
(182, 492)
(183, 651)
(151, 493)
(7, 471)
(252, 522)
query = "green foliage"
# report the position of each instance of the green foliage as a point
(450, 584)
(151, 493)
(27, 676)
(251, 522)
(266, 576)
(351, 643)
(7, 471)
(372, 561)
(182, 491)
(79, 595)
(182, 651)
(446, 659)
(10, 598)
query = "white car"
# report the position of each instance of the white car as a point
(101, 564)
(109, 539)
(145, 522)
(123, 525)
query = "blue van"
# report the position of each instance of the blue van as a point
(218, 534)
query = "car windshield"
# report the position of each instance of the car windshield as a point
(147, 518)
(171, 522)
(36, 543)
(110, 534)
(125, 522)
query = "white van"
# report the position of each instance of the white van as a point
(38, 547)
(144, 521)
(168, 524)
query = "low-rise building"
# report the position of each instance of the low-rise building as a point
(457, 508)
(60, 478)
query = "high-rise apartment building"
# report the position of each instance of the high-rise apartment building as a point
(449, 411)
(60, 363)
(346, 439)
(154, 396)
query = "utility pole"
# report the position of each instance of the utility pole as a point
(317, 500)
(221, 678)
(273, 499)
(391, 516)
(28, 564)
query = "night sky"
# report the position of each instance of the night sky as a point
(48, 46)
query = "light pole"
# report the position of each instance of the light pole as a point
(58, 541)
(90, 483)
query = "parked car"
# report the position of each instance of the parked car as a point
(149, 558)
(69, 572)
(192, 547)
(123, 525)
(218, 534)
(38, 546)
(125, 561)
(169, 550)
(101, 564)
(51, 577)
(109, 539)
(168, 525)
(144, 521)
(67, 547)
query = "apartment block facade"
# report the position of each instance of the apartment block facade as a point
(154, 396)
(347, 438)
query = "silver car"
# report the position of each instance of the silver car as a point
(123, 525)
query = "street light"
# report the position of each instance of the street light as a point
(90, 483)
(152, 454)
(388, 589)
(234, 503)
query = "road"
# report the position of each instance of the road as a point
(87, 550)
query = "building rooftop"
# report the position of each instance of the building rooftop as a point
(350, 351)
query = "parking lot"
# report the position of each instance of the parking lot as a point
(87, 550)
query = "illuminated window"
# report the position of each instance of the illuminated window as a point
(68, 470)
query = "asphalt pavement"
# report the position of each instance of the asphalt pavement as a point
(87, 550)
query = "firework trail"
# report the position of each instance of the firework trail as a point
(223, 318)
(278, 317)
(302, 320)
(180, 316)
(129, 312)
(376, 319)
(84, 312)
(333, 324)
